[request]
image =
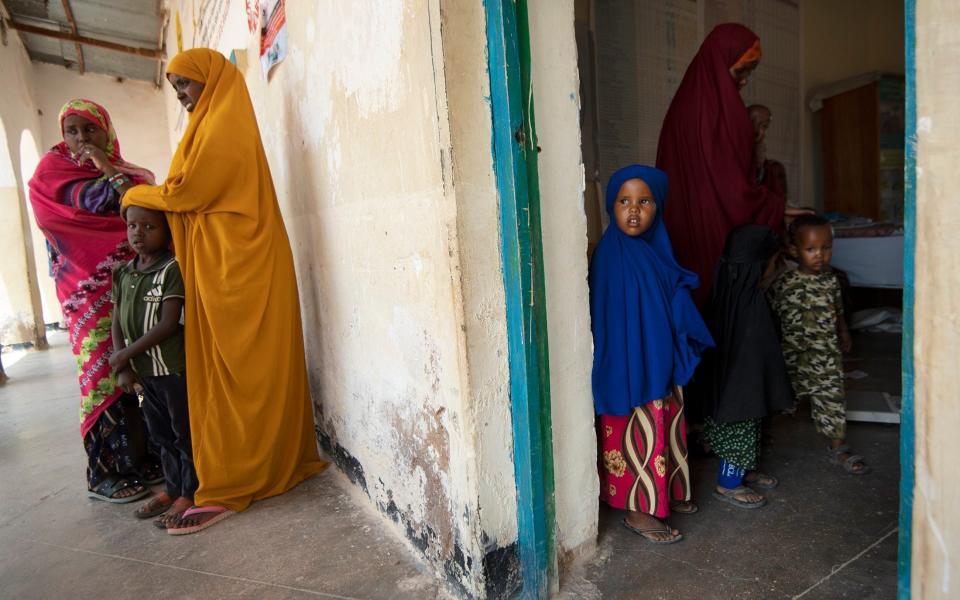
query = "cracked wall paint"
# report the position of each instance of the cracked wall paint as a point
(405, 336)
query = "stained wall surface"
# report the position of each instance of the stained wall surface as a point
(936, 345)
(377, 132)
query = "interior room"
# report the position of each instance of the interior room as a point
(832, 77)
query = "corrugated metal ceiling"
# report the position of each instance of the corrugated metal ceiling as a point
(132, 23)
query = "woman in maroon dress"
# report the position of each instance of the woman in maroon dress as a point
(707, 148)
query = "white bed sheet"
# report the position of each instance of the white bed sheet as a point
(870, 261)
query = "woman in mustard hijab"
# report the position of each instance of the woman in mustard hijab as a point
(250, 409)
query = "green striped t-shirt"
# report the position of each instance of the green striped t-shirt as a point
(137, 297)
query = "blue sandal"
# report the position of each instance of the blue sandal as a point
(113, 484)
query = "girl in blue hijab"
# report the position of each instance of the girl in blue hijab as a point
(648, 337)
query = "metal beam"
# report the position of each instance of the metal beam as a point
(155, 54)
(73, 28)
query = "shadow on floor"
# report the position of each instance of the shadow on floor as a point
(317, 541)
(823, 535)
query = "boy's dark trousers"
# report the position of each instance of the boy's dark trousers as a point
(168, 420)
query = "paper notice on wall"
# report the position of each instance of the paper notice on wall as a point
(273, 34)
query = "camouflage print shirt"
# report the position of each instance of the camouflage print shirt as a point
(808, 307)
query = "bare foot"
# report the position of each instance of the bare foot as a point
(684, 508)
(761, 480)
(151, 506)
(654, 529)
(857, 467)
(173, 513)
(744, 496)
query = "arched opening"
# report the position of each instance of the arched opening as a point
(19, 302)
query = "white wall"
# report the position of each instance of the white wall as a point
(21, 318)
(556, 89)
(935, 556)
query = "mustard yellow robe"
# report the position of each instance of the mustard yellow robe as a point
(250, 409)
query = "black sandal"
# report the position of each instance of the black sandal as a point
(113, 484)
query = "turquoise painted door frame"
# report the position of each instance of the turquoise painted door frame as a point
(907, 426)
(515, 166)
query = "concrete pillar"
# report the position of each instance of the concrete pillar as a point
(936, 345)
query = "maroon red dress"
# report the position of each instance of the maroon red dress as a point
(706, 148)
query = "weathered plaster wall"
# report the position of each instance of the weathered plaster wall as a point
(556, 98)
(21, 313)
(841, 40)
(936, 523)
(391, 212)
(463, 30)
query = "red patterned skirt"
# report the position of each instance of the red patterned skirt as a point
(643, 457)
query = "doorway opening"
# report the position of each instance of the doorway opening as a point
(838, 130)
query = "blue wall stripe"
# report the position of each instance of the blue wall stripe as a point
(907, 425)
(511, 173)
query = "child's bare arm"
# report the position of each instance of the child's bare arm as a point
(125, 376)
(846, 342)
(169, 323)
(116, 333)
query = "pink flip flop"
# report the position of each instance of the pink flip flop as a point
(221, 513)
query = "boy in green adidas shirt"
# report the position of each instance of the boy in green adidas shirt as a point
(149, 347)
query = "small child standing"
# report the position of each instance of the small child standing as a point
(647, 337)
(745, 378)
(148, 342)
(808, 302)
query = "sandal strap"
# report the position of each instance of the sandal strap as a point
(844, 449)
(740, 489)
(113, 484)
(855, 459)
(196, 510)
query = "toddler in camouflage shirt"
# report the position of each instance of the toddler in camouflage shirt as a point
(814, 334)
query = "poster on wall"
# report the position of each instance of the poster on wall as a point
(253, 15)
(273, 34)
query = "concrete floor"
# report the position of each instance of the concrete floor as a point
(824, 534)
(317, 541)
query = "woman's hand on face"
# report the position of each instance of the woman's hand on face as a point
(98, 157)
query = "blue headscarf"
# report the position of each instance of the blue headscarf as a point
(647, 333)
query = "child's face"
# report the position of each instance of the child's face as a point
(147, 231)
(813, 248)
(634, 208)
